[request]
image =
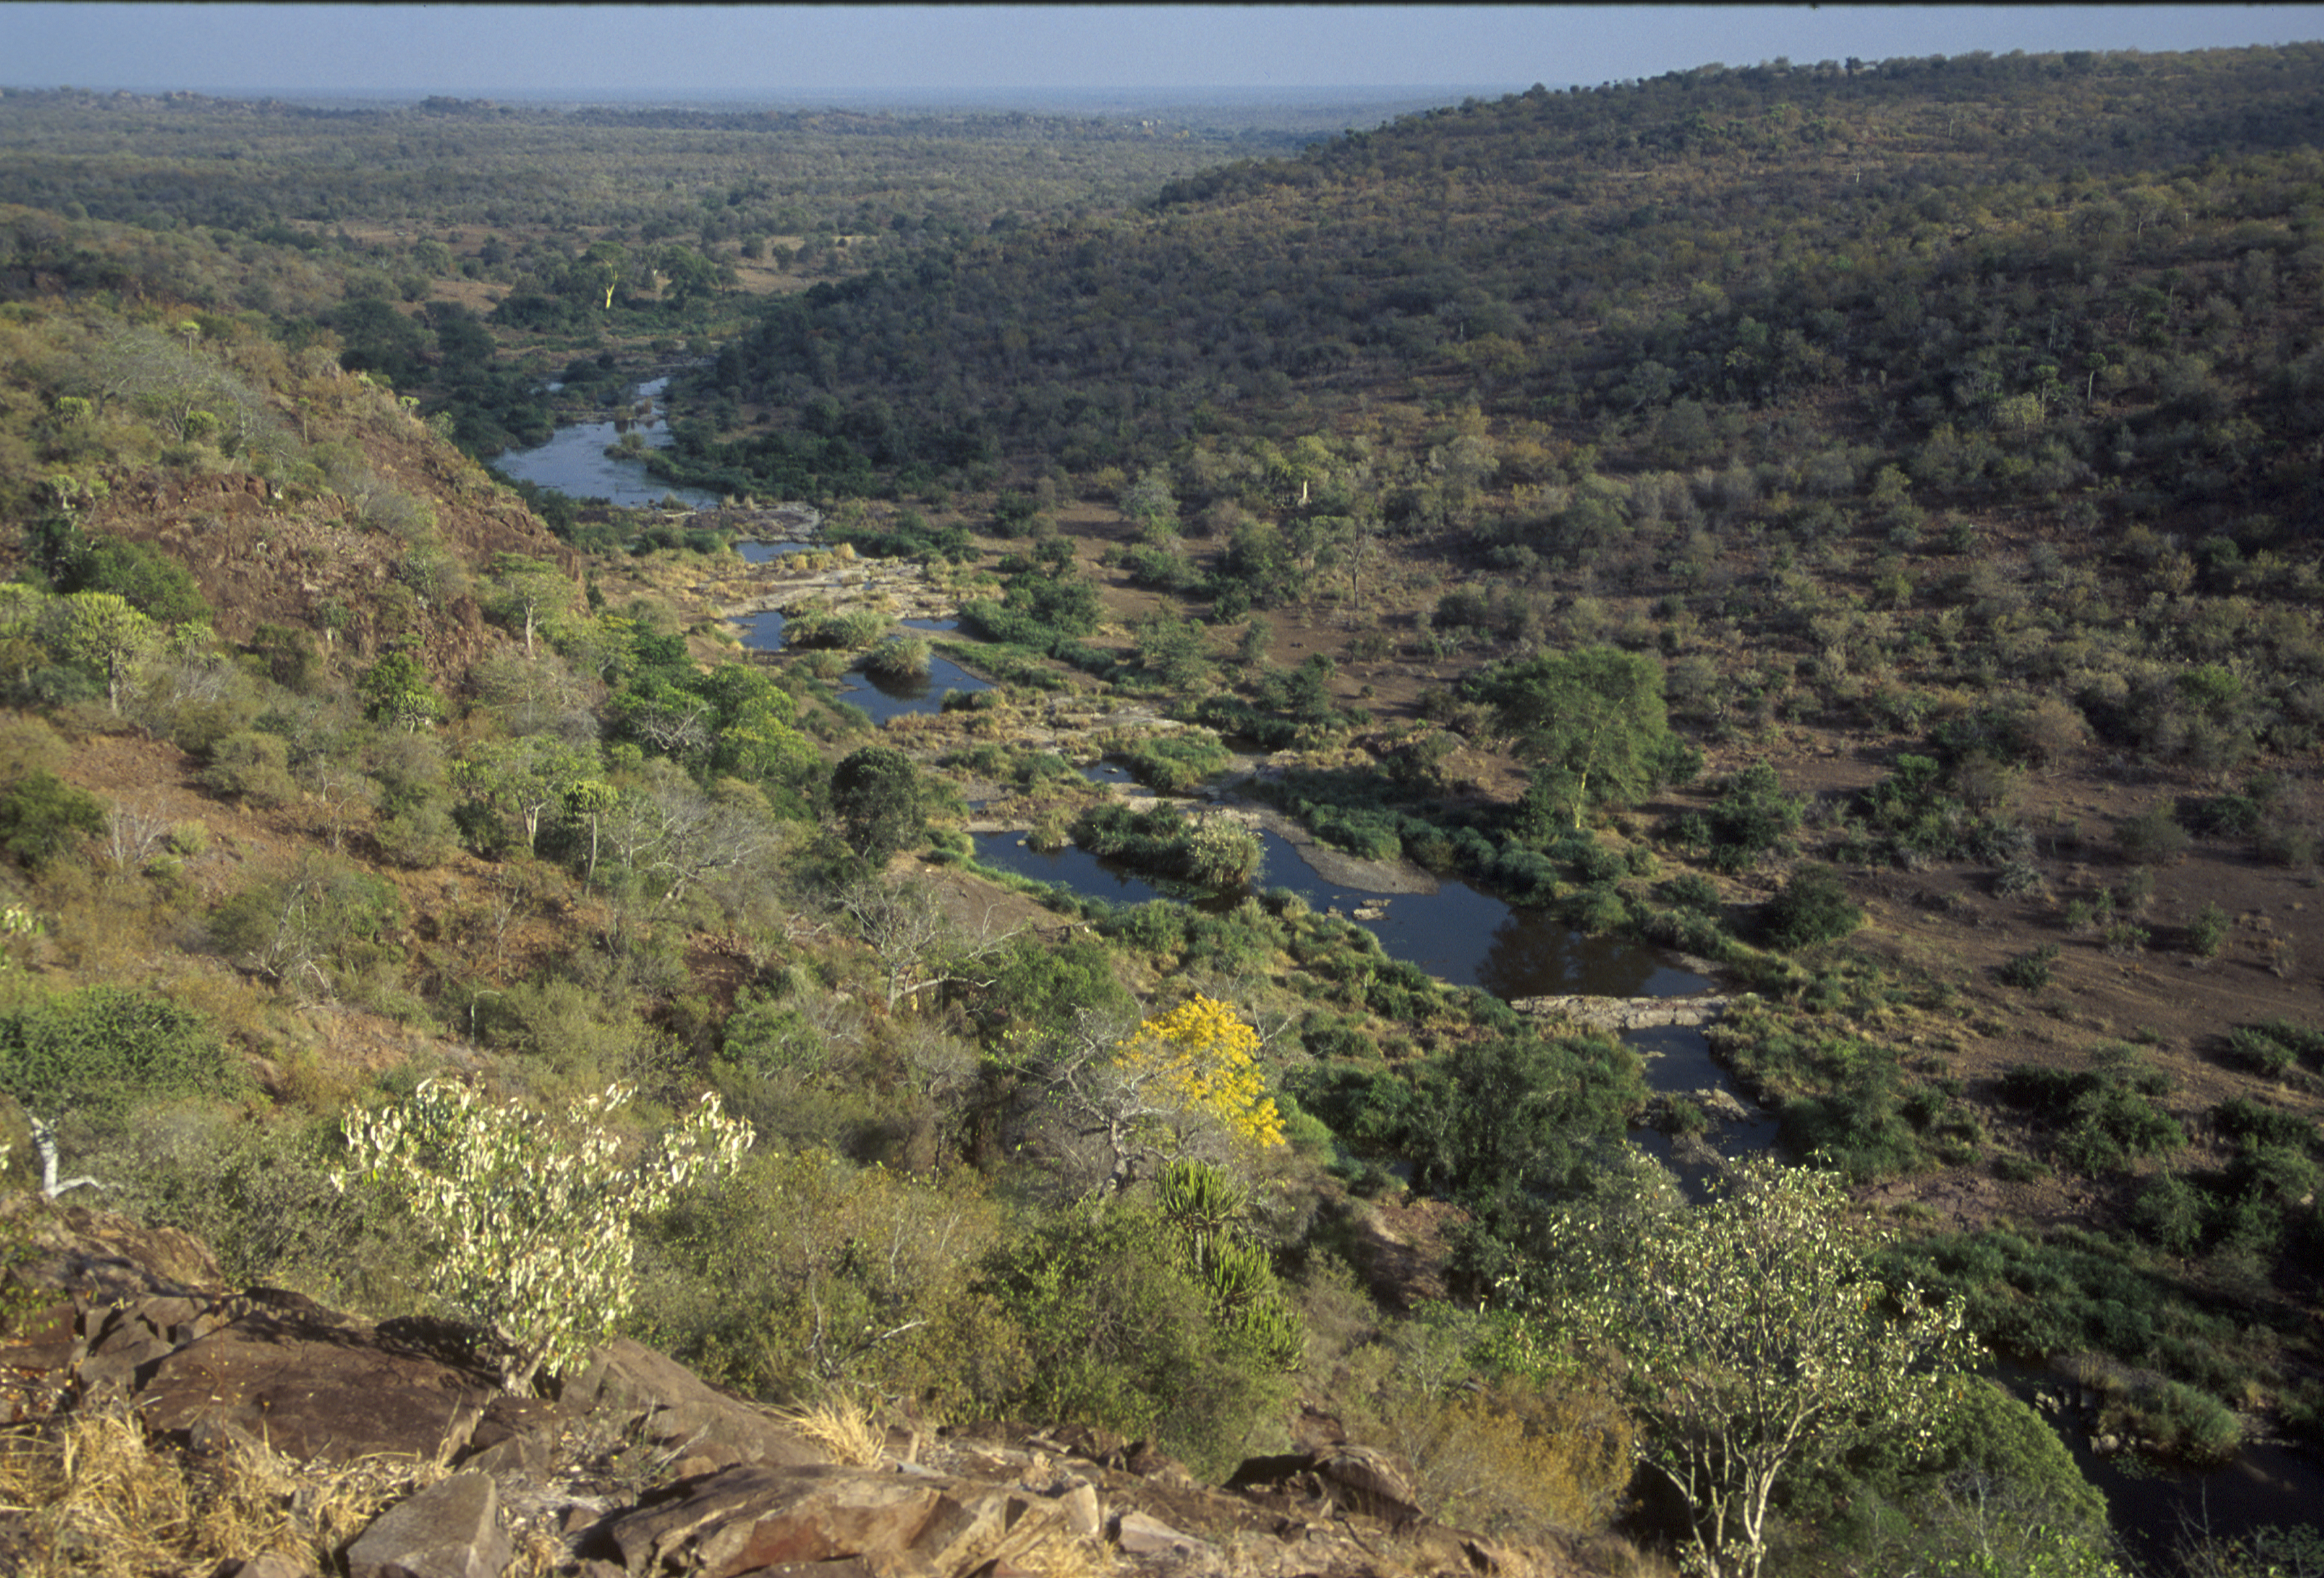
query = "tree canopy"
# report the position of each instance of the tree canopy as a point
(1590, 721)
(876, 794)
(1754, 1338)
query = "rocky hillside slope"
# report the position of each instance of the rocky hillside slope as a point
(166, 1423)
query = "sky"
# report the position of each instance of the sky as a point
(785, 53)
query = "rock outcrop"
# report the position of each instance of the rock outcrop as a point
(637, 1468)
(1623, 1013)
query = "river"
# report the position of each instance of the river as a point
(575, 463)
(882, 697)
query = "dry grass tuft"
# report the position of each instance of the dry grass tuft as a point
(841, 1427)
(1066, 1556)
(92, 1497)
(333, 1504)
(97, 1501)
(539, 1555)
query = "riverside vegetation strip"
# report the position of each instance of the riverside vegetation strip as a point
(1931, 437)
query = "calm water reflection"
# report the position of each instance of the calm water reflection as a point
(574, 461)
(1070, 867)
(761, 633)
(882, 696)
(885, 697)
(1456, 934)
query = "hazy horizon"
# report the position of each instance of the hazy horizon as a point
(834, 97)
(837, 54)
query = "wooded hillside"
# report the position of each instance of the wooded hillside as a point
(1849, 528)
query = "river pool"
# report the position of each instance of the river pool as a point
(575, 463)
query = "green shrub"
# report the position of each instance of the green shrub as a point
(2295, 847)
(1124, 1330)
(2029, 972)
(1588, 861)
(761, 1281)
(1157, 927)
(259, 1195)
(2152, 839)
(2243, 1120)
(898, 657)
(2184, 1423)
(909, 536)
(100, 1048)
(2208, 932)
(1992, 1490)
(880, 802)
(2173, 1213)
(2048, 1090)
(1813, 907)
(41, 816)
(1602, 910)
(2304, 1039)
(2114, 1125)
(2240, 816)
(145, 577)
(829, 629)
(1368, 835)
(1176, 764)
(2256, 1049)
(1501, 1125)
(2017, 879)
(1860, 1132)
(308, 931)
(1691, 891)
(1752, 820)
(2107, 1115)
(1212, 852)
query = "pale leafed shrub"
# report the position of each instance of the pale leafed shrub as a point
(534, 1216)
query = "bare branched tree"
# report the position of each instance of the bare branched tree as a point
(918, 946)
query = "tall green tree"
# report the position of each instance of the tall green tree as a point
(1590, 721)
(523, 589)
(522, 779)
(876, 795)
(395, 690)
(99, 631)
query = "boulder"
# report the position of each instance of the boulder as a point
(449, 1531)
(126, 1343)
(1623, 1013)
(1140, 1534)
(627, 1391)
(311, 1385)
(1361, 1479)
(516, 1436)
(1372, 1481)
(747, 1519)
(109, 1259)
(1083, 1512)
(37, 1367)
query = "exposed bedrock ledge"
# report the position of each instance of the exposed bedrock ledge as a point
(1625, 1014)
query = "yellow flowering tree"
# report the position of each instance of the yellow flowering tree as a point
(1178, 1080)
